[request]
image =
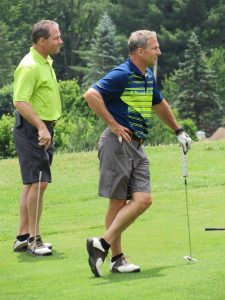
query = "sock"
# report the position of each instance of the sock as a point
(105, 245)
(23, 237)
(31, 239)
(114, 258)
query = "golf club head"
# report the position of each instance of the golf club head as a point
(189, 258)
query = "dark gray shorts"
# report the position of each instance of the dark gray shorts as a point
(30, 153)
(124, 168)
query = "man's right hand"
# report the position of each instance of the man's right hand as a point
(44, 138)
(122, 132)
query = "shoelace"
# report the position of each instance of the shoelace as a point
(39, 242)
(124, 261)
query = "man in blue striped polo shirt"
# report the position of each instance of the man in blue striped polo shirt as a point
(124, 98)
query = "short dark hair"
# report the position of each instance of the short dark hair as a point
(138, 39)
(41, 29)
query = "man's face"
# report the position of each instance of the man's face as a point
(53, 43)
(151, 52)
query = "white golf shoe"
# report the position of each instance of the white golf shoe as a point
(121, 265)
(20, 246)
(38, 249)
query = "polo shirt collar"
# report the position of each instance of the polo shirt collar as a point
(38, 57)
(135, 68)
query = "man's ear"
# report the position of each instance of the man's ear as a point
(42, 41)
(140, 51)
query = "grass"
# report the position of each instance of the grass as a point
(157, 241)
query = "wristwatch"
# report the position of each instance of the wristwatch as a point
(178, 131)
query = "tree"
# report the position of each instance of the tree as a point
(6, 67)
(104, 52)
(217, 63)
(197, 98)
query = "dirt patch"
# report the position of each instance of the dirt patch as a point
(219, 134)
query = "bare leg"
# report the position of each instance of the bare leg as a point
(127, 215)
(32, 205)
(24, 221)
(114, 207)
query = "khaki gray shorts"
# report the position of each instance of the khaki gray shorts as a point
(124, 167)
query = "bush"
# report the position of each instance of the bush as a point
(62, 135)
(159, 133)
(189, 126)
(7, 147)
(80, 135)
(73, 103)
(6, 99)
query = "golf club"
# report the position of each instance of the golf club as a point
(214, 228)
(185, 174)
(38, 197)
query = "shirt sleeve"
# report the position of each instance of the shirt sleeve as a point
(112, 84)
(157, 95)
(24, 84)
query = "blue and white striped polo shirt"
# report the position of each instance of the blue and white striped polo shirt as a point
(129, 96)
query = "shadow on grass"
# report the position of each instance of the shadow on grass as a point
(149, 273)
(26, 257)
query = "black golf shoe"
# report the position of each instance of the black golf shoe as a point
(97, 255)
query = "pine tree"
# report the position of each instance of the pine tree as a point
(217, 63)
(104, 52)
(6, 67)
(196, 97)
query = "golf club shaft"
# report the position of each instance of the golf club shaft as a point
(38, 196)
(185, 174)
(188, 219)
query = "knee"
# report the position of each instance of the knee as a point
(116, 205)
(44, 186)
(145, 202)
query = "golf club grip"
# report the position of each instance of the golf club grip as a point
(213, 229)
(184, 164)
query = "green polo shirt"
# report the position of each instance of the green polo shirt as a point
(35, 82)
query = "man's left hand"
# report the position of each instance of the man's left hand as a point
(185, 141)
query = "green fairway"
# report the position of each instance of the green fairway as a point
(157, 241)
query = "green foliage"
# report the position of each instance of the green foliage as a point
(72, 100)
(216, 62)
(173, 21)
(6, 99)
(189, 126)
(170, 87)
(159, 133)
(77, 135)
(6, 67)
(104, 52)
(194, 89)
(79, 128)
(7, 147)
(62, 135)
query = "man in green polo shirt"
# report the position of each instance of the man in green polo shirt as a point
(37, 101)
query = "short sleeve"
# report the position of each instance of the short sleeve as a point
(157, 95)
(112, 84)
(24, 84)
